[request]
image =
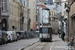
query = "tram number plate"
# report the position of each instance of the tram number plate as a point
(44, 36)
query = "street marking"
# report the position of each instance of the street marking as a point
(21, 48)
(52, 46)
(59, 46)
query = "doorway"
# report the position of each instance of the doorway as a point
(4, 24)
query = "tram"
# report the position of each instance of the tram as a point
(45, 33)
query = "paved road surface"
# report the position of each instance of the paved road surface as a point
(19, 44)
(57, 44)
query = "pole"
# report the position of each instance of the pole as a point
(28, 21)
(42, 17)
(68, 26)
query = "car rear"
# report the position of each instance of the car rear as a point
(1, 42)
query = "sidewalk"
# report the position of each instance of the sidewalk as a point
(59, 44)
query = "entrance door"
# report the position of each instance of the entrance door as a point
(4, 25)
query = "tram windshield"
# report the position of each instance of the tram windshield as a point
(44, 30)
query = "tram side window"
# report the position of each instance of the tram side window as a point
(40, 30)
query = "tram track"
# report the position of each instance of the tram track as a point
(41, 46)
(44, 46)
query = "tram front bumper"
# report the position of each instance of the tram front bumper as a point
(46, 39)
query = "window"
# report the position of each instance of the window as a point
(4, 5)
(24, 3)
(45, 30)
(28, 4)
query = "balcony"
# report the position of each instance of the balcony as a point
(5, 13)
(5, 8)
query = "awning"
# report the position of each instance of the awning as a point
(42, 6)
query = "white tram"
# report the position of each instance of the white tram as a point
(45, 33)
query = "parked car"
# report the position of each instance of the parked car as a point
(4, 37)
(10, 36)
(1, 41)
(15, 35)
(26, 35)
(18, 35)
(22, 34)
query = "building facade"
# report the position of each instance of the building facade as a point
(11, 15)
(54, 21)
(5, 14)
(71, 20)
(32, 6)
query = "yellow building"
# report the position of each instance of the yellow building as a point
(11, 15)
(14, 15)
(32, 6)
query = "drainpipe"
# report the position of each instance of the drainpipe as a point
(28, 21)
(21, 17)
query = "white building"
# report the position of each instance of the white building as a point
(43, 14)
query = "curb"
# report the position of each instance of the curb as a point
(27, 46)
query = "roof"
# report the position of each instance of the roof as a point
(42, 6)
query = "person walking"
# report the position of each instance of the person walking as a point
(59, 33)
(63, 36)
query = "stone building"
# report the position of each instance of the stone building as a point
(71, 20)
(32, 6)
(11, 11)
(14, 15)
(4, 15)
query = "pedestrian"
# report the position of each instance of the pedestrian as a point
(63, 36)
(33, 35)
(59, 33)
